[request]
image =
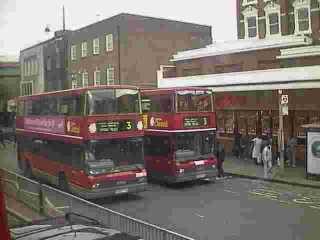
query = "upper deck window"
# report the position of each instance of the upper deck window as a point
(194, 101)
(158, 103)
(111, 101)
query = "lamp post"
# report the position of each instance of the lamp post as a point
(280, 133)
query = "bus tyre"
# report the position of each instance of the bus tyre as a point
(63, 183)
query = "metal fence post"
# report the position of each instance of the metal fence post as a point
(41, 200)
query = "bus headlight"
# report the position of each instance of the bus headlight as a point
(96, 185)
(181, 170)
(92, 128)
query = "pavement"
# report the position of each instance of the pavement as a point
(247, 169)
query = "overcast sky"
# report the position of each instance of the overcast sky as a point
(22, 22)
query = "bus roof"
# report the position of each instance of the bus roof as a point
(174, 89)
(81, 90)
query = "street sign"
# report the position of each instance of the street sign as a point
(284, 99)
(284, 109)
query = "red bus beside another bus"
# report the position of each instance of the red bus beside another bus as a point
(180, 130)
(88, 141)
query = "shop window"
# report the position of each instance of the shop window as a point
(220, 122)
(252, 123)
(229, 122)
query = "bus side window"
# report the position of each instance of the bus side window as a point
(77, 158)
(36, 146)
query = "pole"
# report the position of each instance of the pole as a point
(63, 19)
(119, 61)
(280, 134)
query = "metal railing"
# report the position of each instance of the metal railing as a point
(53, 202)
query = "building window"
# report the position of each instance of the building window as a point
(26, 88)
(110, 75)
(273, 23)
(249, 2)
(84, 49)
(273, 19)
(73, 52)
(109, 42)
(58, 64)
(36, 68)
(303, 19)
(49, 63)
(96, 47)
(302, 16)
(251, 22)
(85, 79)
(97, 77)
(252, 27)
(74, 83)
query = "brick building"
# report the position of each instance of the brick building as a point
(278, 49)
(128, 49)
(44, 65)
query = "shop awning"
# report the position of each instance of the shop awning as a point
(271, 79)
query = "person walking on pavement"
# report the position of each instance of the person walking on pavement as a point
(220, 157)
(256, 152)
(292, 143)
(267, 160)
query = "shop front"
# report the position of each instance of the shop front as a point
(255, 113)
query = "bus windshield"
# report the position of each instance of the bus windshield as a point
(110, 101)
(194, 146)
(115, 155)
(194, 101)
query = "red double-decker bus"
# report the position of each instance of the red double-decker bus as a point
(180, 132)
(88, 141)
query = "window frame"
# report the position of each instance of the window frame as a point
(95, 82)
(250, 12)
(74, 52)
(96, 46)
(272, 8)
(85, 77)
(110, 81)
(298, 5)
(84, 49)
(23, 89)
(109, 42)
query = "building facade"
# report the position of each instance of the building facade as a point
(9, 85)
(277, 53)
(44, 65)
(127, 49)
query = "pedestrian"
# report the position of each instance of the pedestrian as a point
(292, 143)
(236, 146)
(2, 138)
(220, 153)
(267, 160)
(244, 145)
(256, 152)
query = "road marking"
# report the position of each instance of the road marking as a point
(238, 194)
(199, 215)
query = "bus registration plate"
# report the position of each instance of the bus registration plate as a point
(201, 176)
(120, 191)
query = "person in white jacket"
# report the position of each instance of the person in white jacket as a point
(267, 160)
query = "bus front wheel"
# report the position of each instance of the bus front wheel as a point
(63, 182)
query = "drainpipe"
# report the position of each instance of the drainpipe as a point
(119, 71)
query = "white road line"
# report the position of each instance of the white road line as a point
(230, 191)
